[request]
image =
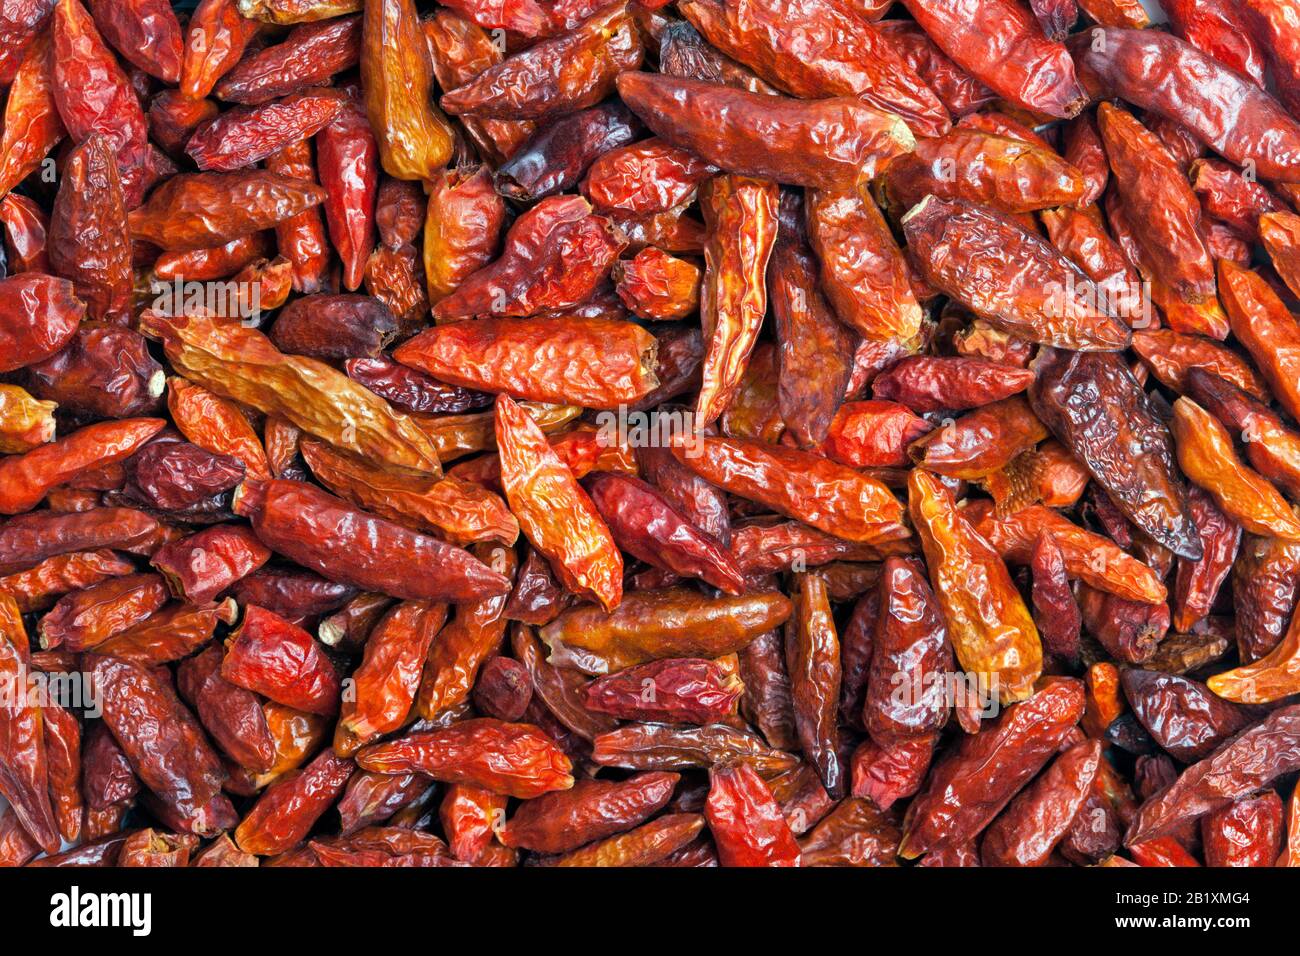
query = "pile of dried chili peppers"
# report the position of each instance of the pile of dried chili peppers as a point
(710, 432)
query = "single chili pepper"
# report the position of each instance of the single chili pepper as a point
(1001, 44)
(247, 134)
(32, 125)
(651, 625)
(1206, 455)
(371, 798)
(803, 486)
(475, 633)
(817, 50)
(1239, 120)
(217, 36)
(885, 775)
(526, 356)
(290, 807)
(1248, 833)
(1264, 582)
(649, 527)
(1009, 276)
(27, 540)
(812, 657)
(1092, 403)
(863, 272)
(1146, 178)
(297, 11)
(513, 759)
(990, 629)
(415, 139)
(646, 177)
(272, 657)
(830, 144)
(1197, 583)
(747, 825)
(555, 514)
(316, 530)
(461, 229)
(242, 364)
(88, 617)
(556, 156)
(569, 72)
(310, 55)
(658, 286)
(39, 315)
(25, 422)
(385, 683)
(202, 210)
(910, 650)
(1006, 174)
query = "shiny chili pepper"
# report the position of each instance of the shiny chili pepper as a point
(817, 49)
(1231, 113)
(164, 744)
(1092, 403)
(1010, 277)
(540, 359)
(1001, 44)
(649, 527)
(32, 125)
(651, 625)
(514, 759)
(1264, 582)
(317, 530)
(804, 486)
(474, 633)
(415, 139)
(290, 807)
(569, 72)
(747, 825)
(989, 626)
(1206, 455)
(310, 55)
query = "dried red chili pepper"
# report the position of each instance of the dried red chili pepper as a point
(290, 807)
(817, 49)
(747, 825)
(569, 72)
(164, 745)
(415, 140)
(1239, 120)
(514, 759)
(989, 626)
